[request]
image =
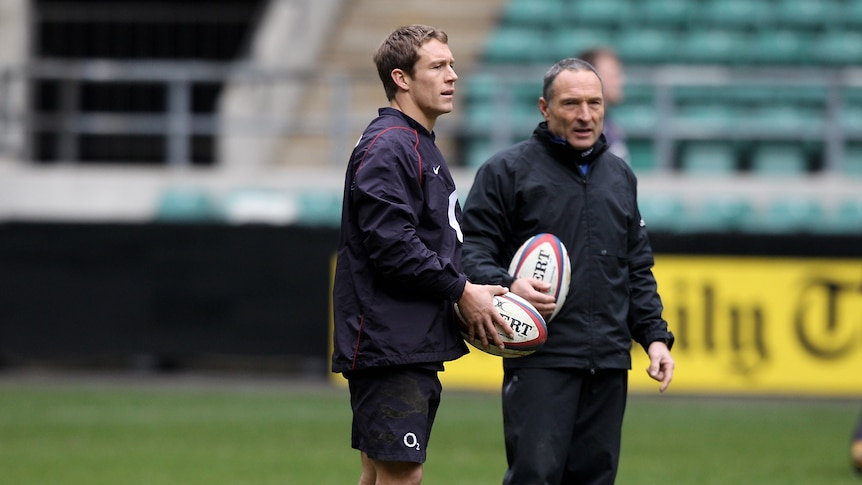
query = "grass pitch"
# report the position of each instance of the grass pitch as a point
(129, 433)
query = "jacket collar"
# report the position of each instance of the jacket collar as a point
(564, 152)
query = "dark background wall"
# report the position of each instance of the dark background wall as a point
(177, 293)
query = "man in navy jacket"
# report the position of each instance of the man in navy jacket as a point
(399, 273)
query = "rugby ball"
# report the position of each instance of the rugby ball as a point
(544, 257)
(530, 329)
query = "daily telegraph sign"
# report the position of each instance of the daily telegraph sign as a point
(743, 325)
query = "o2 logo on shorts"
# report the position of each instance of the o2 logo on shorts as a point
(411, 441)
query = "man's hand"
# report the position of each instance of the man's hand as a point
(535, 291)
(481, 316)
(661, 364)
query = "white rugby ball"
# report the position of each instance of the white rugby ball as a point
(544, 257)
(530, 329)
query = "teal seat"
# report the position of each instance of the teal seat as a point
(672, 12)
(613, 12)
(647, 45)
(663, 212)
(635, 117)
(538, 12)
(806, 13)
(838, 47)
(714, 46)
(791, 215)
(516, 44)
(187, 204)
(708, 158)
(722, 213)
(847, 217)
(779, 160)
(568, 41)
(734, 13)
(781, 46)
(319, 208)
(852, 163)
(642, 156)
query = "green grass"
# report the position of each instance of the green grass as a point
(119, 434)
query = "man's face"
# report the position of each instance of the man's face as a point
(432, 85)
(576, 110)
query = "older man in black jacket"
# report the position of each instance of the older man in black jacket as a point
(563, 406)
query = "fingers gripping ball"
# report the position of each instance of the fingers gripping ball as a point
(544, 257)
(530, 328)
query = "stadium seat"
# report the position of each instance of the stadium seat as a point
(568, 41)
(847, 217)
(604, 12)
(667, 12)
(647, 45)
(642, 156)
(734, 13)
(838, 47)
(789, 215)
(714, 46)
(779, 160)
(319, 208)
(638, 118)
(781, 46)
(722, 213)
(187, 204)
(538, 12)
(663, 212)
(806, 12)
(510, 44)
(852, 163)
(708, 158)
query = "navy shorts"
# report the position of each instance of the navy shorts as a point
(393, 411)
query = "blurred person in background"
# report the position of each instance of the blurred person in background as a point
(398, 271)
(856, 448)
(563, 405)
(610, 68)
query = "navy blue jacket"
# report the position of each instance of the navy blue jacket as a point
(538, 186)
(399, 259)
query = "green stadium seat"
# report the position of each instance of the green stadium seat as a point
(790, 215)
(847, 217)
(722, 213)
(852, 163)
(187, 204)
(319, 208)
(663, 212)
(517, 44)
(568, 41)
(639, 118)
(604, 12)
(807, 12)
(714, 46)
(642, 156)
(706, 117)
(781, 46)
(708, 159)
(838, 47)
(663, 12)
(779, 160)
(538, 12)
(734, 13)
(647, 45)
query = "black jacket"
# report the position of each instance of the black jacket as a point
(537, 186)
(398, 271)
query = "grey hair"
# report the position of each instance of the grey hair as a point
(568, 64)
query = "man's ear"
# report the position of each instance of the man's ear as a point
(401, 79)
(543, 107)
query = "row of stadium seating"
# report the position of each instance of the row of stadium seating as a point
(670, 213)
(662, 211)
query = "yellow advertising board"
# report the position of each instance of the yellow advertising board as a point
(743, 325)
